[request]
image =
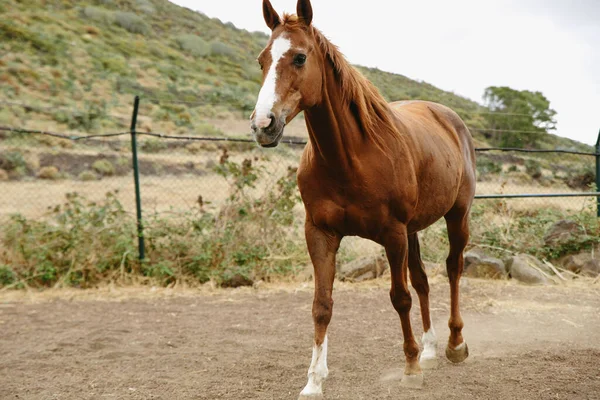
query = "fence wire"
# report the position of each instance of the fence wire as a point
(179, 176)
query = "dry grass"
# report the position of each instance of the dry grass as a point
(564, 203)
(493, 290)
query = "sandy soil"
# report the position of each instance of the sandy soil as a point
(525, 343)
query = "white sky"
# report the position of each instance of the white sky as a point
(463, 46)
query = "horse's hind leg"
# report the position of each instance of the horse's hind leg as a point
(418, 278)
(396, 248)
(457, 221)
(322, 247)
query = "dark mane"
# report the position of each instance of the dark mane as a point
(372, 110)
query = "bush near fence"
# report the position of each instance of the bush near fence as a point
(220, 209)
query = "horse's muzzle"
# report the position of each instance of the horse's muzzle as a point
(270, 135)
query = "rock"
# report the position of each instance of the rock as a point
(363, 269)
(237, 280)
(527, 269)
(480, 265)
(472, 257)
(562, 232)
(591, 268)
(574, 262)
(488, 268)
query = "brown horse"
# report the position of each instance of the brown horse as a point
(371, 169)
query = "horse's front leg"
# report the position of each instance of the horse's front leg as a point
(396, 248)
(322, 247)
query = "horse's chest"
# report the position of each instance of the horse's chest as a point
(346, 213)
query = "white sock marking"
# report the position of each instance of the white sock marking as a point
(268, 93)
(317, 372)
(460, 346)
(429, 344)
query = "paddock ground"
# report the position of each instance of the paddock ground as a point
(143, 343)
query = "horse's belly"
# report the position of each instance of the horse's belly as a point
(349, 220)
(436, 198)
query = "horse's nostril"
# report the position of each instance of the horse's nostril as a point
(271, 116)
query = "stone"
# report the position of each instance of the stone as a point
(237, 280)
(363, 269)
(479, 265)
(487, 268)
(528, 269)
(591, 268)
(574, 262)
(562, 232)
(472, 257)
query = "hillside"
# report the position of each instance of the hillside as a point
(78, 64)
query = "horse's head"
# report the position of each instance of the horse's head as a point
(292, 77)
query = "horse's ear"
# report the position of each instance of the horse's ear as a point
(304, 11)
(271, 17)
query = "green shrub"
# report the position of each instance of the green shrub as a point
(583, 178)
(221, 49)
(104, 167)
(154, 145)
(82, 243)
(98, 14)
(114, 64)
(485, 166)
(533, 169)
(145, 6)
(131, 22)
(87, 119)
(87, 176)
(7, 275)
(12, 160)
(194, 45)
(206, 129)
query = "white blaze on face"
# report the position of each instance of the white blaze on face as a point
(317, 372)
(268, 93)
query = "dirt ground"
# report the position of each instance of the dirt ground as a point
(525, 343)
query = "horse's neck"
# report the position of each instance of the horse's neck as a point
(334, 133)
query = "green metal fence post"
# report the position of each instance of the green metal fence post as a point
(136, 179)
(598, 173)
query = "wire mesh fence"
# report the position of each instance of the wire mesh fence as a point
(182, 175)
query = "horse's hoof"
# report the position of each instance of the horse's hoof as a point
(412, 381)
(458, 354)
(429, 362)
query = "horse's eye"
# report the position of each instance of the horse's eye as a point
(299, 59)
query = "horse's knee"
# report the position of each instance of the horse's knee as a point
(322, 310)
(401, 300)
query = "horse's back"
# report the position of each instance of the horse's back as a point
(436, 127)
(442, 147)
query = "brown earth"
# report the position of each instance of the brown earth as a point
(525, 343)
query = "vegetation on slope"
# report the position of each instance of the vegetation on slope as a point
(80, 62)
